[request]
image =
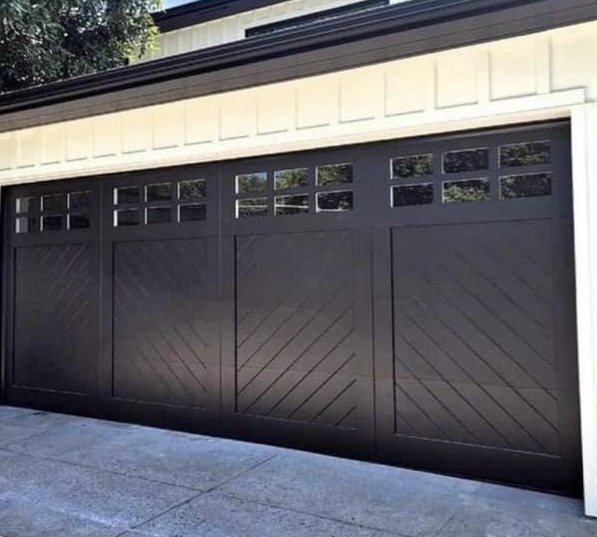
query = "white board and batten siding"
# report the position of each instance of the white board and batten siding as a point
(542, 76)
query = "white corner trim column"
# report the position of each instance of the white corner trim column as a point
(584, 173)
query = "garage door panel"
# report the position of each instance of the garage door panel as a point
(299, 363)
(299, 294)
(456, 301)
(435, 323)
(423, 356)
(56, 341)
(473, 364)
(295, 329)
(491, 294)
(473, 414)
(165, 335)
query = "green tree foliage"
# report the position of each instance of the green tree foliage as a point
(43, 41)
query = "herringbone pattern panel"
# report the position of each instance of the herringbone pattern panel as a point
(295, 324)
(162, 334)
(474, 329)
(56, 342)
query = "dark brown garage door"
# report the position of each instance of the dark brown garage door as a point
(408, 301)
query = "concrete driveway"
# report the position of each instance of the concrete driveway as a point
(65, 476)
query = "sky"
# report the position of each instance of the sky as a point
(172, 3)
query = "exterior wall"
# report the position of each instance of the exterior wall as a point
(537, 77)
(229, 29)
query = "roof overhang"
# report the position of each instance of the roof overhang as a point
(401, 30)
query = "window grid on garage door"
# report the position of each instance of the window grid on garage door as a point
(160, 202)
(52, 212)
(323, 189)
(523, 170)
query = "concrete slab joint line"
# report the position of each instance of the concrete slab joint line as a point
(80, 477)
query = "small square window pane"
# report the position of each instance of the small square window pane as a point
(28, 204)
(335, 174)
(249, 208)
(468, 160)
(126, 217)
(525, 154)
(192, 213)
(292, 204)
(26, 224)
(413, 166)
(463, 191)
(127, 194)
(334, 201)
(291, 178)
(188, 190)
(52, 223)
(79, 221)
(158, 192)
(54, 203)
(158, 215)
(525, 186)
(251, 182)
(79, 201)
(408, 195)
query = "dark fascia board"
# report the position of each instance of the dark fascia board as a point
(204, 11)
(407, 18)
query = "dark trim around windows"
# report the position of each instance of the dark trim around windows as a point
(318, 16)
(394, 32)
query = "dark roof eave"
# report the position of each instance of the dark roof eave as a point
(352, 28)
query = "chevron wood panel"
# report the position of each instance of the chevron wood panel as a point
(56, 342)
(163, 334)
(474, 335)
(295, 327)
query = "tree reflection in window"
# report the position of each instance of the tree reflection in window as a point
(335, 174)
(413, 166)
(525, 154)
(334, 201)
(251, 182)
(468, 160)
(465, 191)
(291, 178)
(525, 186)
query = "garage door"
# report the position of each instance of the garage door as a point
(409, 301)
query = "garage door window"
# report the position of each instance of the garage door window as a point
(252, 182)
(159, 192)
(525, 186)
(525, 154)
(251, 207)
(192, 190)
(286, 179)
(412, 166)
(468, 160)
(465, 191)
(27, 209)
(409, 195)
